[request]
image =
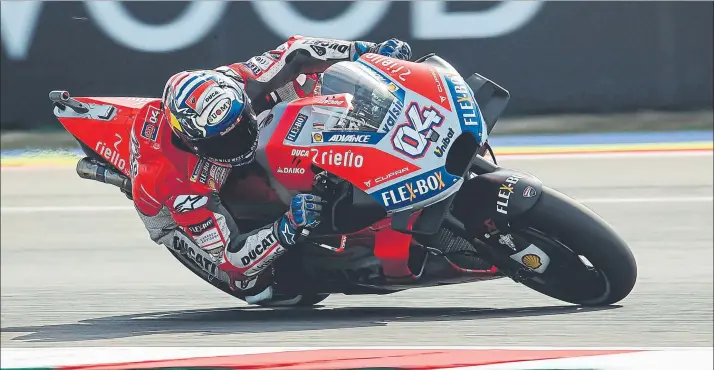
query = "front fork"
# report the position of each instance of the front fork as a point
(486, 209)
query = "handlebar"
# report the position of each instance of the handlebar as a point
(62, 99)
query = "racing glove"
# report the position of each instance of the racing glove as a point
(395, 48)
(304, 213)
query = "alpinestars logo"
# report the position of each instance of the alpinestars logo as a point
(287, 232)
(319, 50)
(185, 203)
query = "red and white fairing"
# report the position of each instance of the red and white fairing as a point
(420, 121)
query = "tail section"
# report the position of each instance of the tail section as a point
(102, 124)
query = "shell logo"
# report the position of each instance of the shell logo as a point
(532, 261)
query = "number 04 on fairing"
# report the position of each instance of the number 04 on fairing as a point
(404, 144)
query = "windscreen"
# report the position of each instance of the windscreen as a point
(371, 97)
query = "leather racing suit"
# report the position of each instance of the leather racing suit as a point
(176, 192)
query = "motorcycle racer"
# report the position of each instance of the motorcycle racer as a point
(206, 129)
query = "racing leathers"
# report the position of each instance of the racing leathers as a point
(177, 193)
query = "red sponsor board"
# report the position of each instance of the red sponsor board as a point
(363, 358)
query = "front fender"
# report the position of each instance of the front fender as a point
(487, 203)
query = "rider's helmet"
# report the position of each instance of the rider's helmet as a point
(211, 114)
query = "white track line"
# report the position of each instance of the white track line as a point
(65, 209)
(91, 209)
(647, 200)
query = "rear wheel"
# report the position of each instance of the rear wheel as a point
(589, 263)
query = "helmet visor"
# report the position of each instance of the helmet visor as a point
(236, 146)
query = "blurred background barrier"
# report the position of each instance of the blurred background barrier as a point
(554, 57)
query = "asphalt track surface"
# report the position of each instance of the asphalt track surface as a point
(90, 276)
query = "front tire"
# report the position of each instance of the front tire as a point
(584, 233)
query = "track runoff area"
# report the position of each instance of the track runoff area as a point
(560, 147)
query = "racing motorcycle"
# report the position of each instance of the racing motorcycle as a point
(413, 199)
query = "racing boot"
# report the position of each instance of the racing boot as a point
(261, 289)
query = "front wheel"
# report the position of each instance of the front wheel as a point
(589, 263)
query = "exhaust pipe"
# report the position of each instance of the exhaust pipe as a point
(90, 169)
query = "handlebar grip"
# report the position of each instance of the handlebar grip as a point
(62, 99)
(59, 96)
